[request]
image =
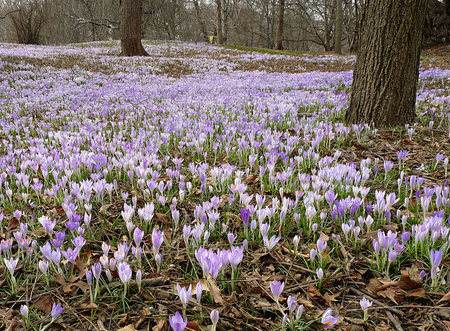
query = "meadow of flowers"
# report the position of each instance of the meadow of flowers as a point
(204, 188)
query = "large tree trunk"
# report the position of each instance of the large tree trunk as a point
(337, 46)
(387, 64)
(219, 22)
(200, 22)
(279, 37)
(130, 28)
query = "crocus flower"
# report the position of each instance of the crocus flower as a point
(319, 273)
(245, 215)
(214, 318)
(435, 257)
(138, 235)
(11, 265)
(139, 279)
(185, 295)
(328, 319)
(365, 304)
(276, 287)
(177, 323)
(270, 243)
(299, 312)
(321, 245)
(292, 304)
(157, 239)
(124, 272)
(56, 311)
(198, 292)
(24, 311)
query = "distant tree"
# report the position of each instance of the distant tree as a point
(219, 22)
(280, 25)
(29, 20)
(387, 64)
(130, 28)
(337, 45)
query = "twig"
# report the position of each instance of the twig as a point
(394, 321)
(10, 12)
(358, 292)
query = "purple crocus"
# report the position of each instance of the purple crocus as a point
(138, 235)
(70, 255)
(276, 287)
(245, 215)
(56, 311)
(177, 323)
(270, 243)
(328, 319)
(435, 257)
(214, 318)
(185, 295)
(157, 239)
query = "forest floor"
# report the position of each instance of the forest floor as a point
(189, 140)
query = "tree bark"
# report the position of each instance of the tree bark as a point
(387, 64)
(219, 22)
(200, 22)
(130, 28)
(337, 46)
(279, 37)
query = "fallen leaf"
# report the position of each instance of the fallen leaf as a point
(193, 326)
(127, 328)
(13, 224)
(315, 294)
(306, 303)
(159, 325)
(331, 297)
(446, 297)
(214, 290)
(124, 320)
(44, 303)
(162, 217)
(59, 279)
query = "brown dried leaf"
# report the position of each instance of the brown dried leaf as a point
(44, 303)
(315, 294)
(193, 326)
(306, 303)
(124, 320)
(251, 179)
(331, 297)
(162, 217)
(145, 313)
(446, 297)
(13, 224)
(159, 325)
(392, 293)
(127, 328)
(60, 279)
(214, 290)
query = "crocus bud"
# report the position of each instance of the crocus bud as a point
(214, 317)
(89, 277)
(139, 279)
(24, 311)
(198, 293)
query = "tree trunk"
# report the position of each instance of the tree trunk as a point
(279, 37)
(387, 64)
(219, 22)
(130, 28)
(337, 46)
(200, 22)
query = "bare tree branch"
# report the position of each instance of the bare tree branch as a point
(10, 12)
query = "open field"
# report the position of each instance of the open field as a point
(121, 178)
